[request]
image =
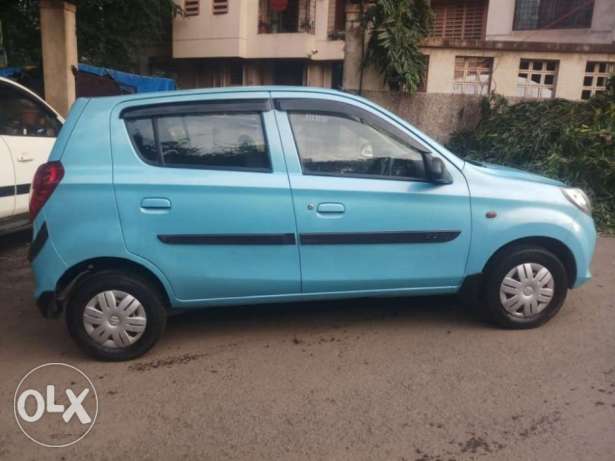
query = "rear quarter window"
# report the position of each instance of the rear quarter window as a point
(141, 132)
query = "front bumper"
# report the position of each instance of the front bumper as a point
(583, 245)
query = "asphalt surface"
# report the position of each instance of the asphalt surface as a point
(401, 379)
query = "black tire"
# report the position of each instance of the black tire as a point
(497, 270)
(132, 283)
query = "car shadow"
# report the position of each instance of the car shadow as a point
(15, 239)
(443, 312)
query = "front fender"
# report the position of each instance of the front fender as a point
(514, 224)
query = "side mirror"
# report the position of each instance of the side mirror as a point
(436, 170)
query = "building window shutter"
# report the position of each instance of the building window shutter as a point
(219, 6)
(459, 20)
(191, 7)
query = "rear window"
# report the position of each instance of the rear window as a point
(234, 141)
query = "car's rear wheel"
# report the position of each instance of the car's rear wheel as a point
(115, 315)
(525, 286)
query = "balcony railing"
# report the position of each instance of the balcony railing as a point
(286, 16)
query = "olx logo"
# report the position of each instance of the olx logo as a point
(75, 408)
(55, 405)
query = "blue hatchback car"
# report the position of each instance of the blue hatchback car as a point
(172, 201)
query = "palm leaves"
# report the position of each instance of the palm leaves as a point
(397, 27)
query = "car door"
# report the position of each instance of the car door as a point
(367, 216)
(7, 183)
(29, 129)
(203, 193)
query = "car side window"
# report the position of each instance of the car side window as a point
(141, 131)
(338, 144)
(234, 141)
(22, 115)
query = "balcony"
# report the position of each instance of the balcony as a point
(286, 16)
(264, 29)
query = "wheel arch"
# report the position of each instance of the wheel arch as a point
(71, 276)
(555, 246)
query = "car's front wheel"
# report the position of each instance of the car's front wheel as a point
(524, 287)
(115, 315)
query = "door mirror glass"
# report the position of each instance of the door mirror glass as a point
(436, 170)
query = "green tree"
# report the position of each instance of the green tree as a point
(397, 27)
(109, 32)
(21, 32)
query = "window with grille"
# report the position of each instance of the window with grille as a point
(472, 75)
(464, 20)
(553, 14)
(191, 7)
(537, 78)
(595, 78)
(219, 6)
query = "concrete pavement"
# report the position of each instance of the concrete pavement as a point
(419, 379)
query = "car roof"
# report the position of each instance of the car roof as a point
(31, 93)
(224, 90)
(109, 103)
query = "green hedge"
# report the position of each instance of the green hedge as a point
(570, 141)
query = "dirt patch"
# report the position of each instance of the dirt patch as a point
(166, 362)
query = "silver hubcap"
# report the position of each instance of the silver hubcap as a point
(526, 290)
(114, 319)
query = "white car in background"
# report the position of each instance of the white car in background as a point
(28, 128)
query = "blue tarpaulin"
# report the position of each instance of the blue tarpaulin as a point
(9, 71)
(140, 83)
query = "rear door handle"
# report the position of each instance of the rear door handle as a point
(24, 158)
(331, 208)
(156, 203)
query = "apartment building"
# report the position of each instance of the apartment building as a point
(521, 48)
(259, 42)
(516, 48)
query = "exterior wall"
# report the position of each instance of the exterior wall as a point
(500, 26)
(569, 82)
(437, 115)
(235, 34)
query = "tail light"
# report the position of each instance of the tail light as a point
(46, 179)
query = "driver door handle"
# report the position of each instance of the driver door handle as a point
(155, 203)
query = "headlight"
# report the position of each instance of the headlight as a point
(579, 199)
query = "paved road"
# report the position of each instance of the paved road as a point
(381, 379)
